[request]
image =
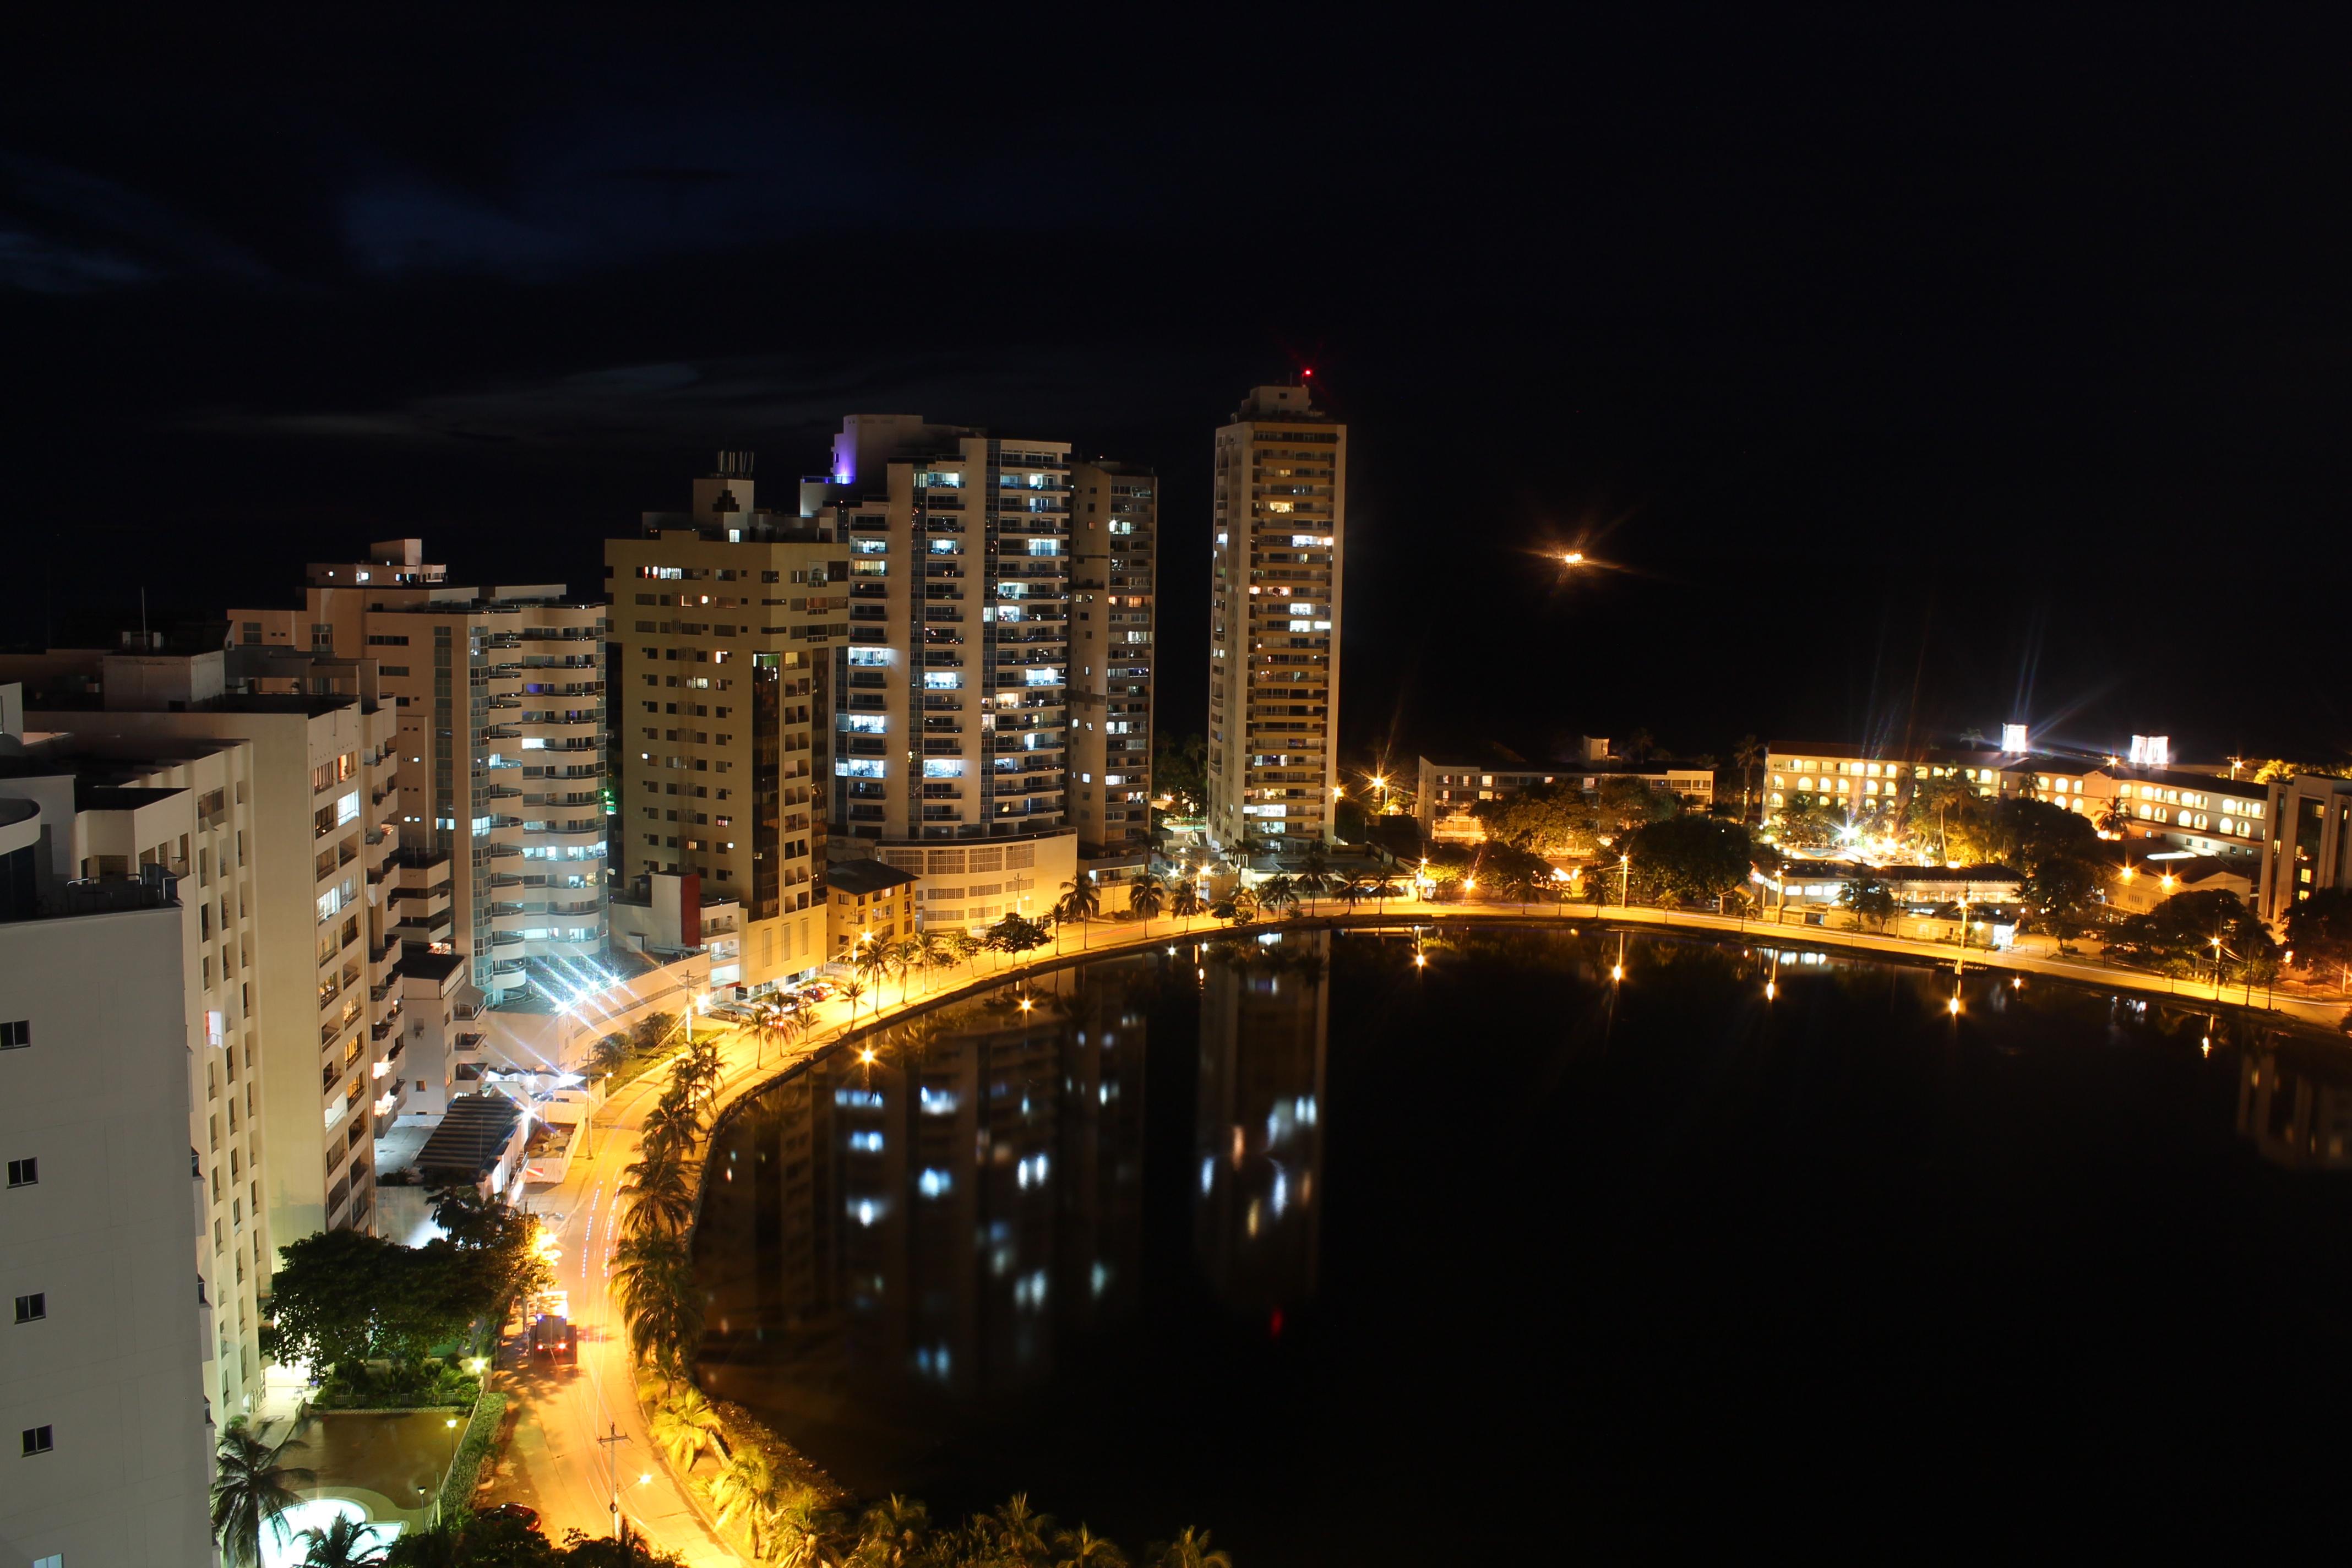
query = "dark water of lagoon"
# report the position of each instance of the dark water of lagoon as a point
(1498, 1260)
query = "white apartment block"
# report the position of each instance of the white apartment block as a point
(500, 693)
(320, 963)
(1277, 557)
(726, 621)
(129, 1275)
(1114, 535)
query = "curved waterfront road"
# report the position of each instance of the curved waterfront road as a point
(555, 1460)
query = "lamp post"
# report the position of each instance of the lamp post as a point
(1625, 881)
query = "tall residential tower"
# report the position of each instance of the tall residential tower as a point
(1114, 540)
(1277, 556)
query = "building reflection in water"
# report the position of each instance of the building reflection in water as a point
(933, 1227)
(924, 1224)
(2295, 1118)
(1258, 1132)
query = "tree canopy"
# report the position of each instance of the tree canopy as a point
(1689, 860)
(2319, 929)
(2178, 936)
(341, 1296)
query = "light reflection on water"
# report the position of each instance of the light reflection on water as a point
(1621, 1182)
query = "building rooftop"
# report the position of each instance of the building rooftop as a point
(466, 1147)
(868, 877)
(423, 963)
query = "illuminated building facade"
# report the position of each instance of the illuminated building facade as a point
(2309, 847)
(1277, 559)
(329, 898)
(500, 693)
(1114, 532)
(728, 623)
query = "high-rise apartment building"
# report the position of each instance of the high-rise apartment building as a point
(500, 693)
(952, 706)
(954, 700)
(1278, 551)
(726, 622)
(1114, 547)
(129, 1277)
(328, 895)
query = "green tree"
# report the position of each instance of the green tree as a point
(2197, 934)
(612, 1053)
(1545, 819)
(1805, 823)
(741, 1493)
(252, 1489)
(1870, 900)
(324, 1296)
(1624, 804)
(346, 1543)
(1179, 771)
(649, 1033)
(2319, 930)
(2060, 894)
(1016, 934)
(1689, 860)
(1184, 900)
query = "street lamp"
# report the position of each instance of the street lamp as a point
(1572, 558)
(1624, 879)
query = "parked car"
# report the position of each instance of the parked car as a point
(527, 1517)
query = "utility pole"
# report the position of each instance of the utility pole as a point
(613, 1475)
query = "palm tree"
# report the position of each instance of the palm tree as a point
(251, 1491)
(1147, 896)
(1017, 1533)
(1082, 1548)
(1277, 894)
(346, 1543)
(872, 964)
(1191, 1549)
(1942, 796)
(664, 1196)
(1239, 907)
(670, 1128)
(1747, 755)
(653, 1280)
(908, 955)
(892, 1534)
(1081, 900)
(700, 1069)
(852, 990)
(684, 1424)
(772, 1025)
(794, 1529)
(741, 1491)
(1184, 900)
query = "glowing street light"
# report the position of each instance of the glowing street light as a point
(1572, 558)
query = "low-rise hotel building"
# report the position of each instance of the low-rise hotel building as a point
(1446, 793)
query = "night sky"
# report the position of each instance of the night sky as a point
(1917, 380)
